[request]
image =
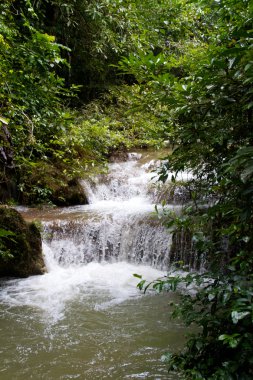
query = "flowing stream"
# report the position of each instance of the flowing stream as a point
(85, 318)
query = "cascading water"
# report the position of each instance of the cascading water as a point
(117, 225)
(85, 319)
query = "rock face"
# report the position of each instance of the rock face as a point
(25, 246)
(70, 195)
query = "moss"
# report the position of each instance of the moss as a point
(25, 246)
(50, 184)
(69, 195)
(118, 155)
(8, 186)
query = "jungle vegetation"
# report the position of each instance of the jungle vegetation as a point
(83, 78)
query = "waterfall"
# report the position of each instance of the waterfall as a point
(78, 313)
(98, 247)
(141, 241)
(119, 224)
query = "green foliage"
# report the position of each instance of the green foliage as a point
(222, 308)
(31, 94)
(125, 125)
(43, 136)
(30, 89)
(45, 145)
(5, 253)
(99, 33)
(207, 106)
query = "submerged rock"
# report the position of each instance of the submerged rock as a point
(21, 248)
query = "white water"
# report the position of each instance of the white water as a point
(117, 225)
(99, 285)
(126, 182)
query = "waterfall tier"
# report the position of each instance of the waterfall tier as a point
(136, 239)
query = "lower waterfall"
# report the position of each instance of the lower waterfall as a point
(139, 241)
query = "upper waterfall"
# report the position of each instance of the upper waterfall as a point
(125, 181)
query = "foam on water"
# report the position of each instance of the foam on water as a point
(131, 206)
(114, 283)
(124, 181)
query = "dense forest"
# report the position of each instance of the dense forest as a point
(83, 79)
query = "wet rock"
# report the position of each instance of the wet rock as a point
(134, 156)
(119, 155)
(71, 194)
(21, 250)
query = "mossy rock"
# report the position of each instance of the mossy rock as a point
(69, 195)
(24, 245)
(49, 184)
(119, 155)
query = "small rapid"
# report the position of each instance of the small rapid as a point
(125, 181)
